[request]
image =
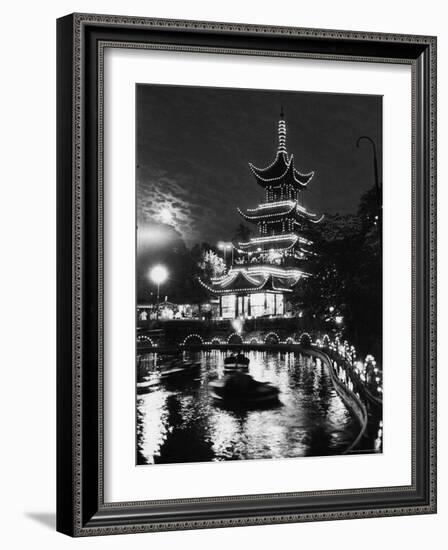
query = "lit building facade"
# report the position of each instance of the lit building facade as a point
(271, 263)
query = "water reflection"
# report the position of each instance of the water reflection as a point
(179, 421)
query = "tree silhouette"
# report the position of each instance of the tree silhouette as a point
(242, 233)
(346, 276)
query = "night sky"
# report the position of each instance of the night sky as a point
(194, 145)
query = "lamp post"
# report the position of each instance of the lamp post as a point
(377, 182)
(375, 164)
(158, 275)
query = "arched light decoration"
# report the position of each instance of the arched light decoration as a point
(274, 334)
(190, 336)
(234, 334)
(305, 335)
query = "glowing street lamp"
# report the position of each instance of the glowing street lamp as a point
(158, 275)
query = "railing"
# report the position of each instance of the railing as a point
(354, 372)
(351, 399)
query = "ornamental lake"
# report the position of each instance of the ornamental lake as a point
(180, 422)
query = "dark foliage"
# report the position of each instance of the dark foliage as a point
(242, 233)
(345, 292)
(345, 286)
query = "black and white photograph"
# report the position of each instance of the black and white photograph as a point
(221, 245)
(259, 274)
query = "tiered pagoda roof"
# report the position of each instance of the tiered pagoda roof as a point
(278, 210)
(273, 261)
(238, 280)
(281, 171)
(278, 242)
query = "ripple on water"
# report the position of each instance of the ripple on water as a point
(181, 422)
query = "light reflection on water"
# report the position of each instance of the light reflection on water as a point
(179, 422)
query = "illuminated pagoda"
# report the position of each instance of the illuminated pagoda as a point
(270, 264)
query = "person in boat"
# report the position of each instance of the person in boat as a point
(240, 357)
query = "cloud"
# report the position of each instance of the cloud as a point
(194, 145)
(199, 211)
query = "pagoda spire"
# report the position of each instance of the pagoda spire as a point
(282, 133)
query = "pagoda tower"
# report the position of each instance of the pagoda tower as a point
(271, 263)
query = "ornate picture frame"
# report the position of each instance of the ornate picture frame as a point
(81, 506)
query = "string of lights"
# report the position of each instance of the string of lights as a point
(260, 260)
(350, 371)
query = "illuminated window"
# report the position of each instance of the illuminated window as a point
(270, 304)
(257, 304)
(228, 306)
(280, 305)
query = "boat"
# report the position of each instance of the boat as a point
(236, 362)
(241, 389)
(179, 370)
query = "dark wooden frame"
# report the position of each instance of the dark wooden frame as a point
(81, 509)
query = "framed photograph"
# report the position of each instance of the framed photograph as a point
(246, 274)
